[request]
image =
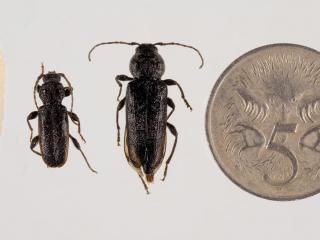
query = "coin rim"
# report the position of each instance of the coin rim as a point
(212, 94)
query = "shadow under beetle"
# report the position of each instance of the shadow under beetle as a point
(53, 124)
(146, 110)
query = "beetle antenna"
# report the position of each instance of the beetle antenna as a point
(115, 42)
(71, 89)
(182, 45)
(36, 85)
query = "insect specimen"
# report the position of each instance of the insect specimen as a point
(53, 124)
(146, 103)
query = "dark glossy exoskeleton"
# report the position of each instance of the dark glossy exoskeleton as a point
(146, 103)
(53, 124)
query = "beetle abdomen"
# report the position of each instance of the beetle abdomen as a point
(146, 112)
(53, 134)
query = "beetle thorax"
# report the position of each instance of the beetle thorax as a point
(147, 63)
(51, 92)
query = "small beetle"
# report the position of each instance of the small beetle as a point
(53, 124)
(146, 110)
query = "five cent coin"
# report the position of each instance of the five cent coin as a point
(263, 122)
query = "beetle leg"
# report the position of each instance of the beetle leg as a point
(170, 104)
(31, 116)
(174, 132)
(75, 119)
(122, 78)
(34, 143)
(171, 82)
(77, 145)
(144, 184)
(120, 106)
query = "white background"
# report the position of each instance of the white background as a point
(197, 201)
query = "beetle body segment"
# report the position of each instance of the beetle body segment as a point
(54, 134)
(146, 117)
(147, 63)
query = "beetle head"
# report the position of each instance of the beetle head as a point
(51, 77)
(147, 62)
(51, 91)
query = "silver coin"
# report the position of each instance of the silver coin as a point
(263, 122)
